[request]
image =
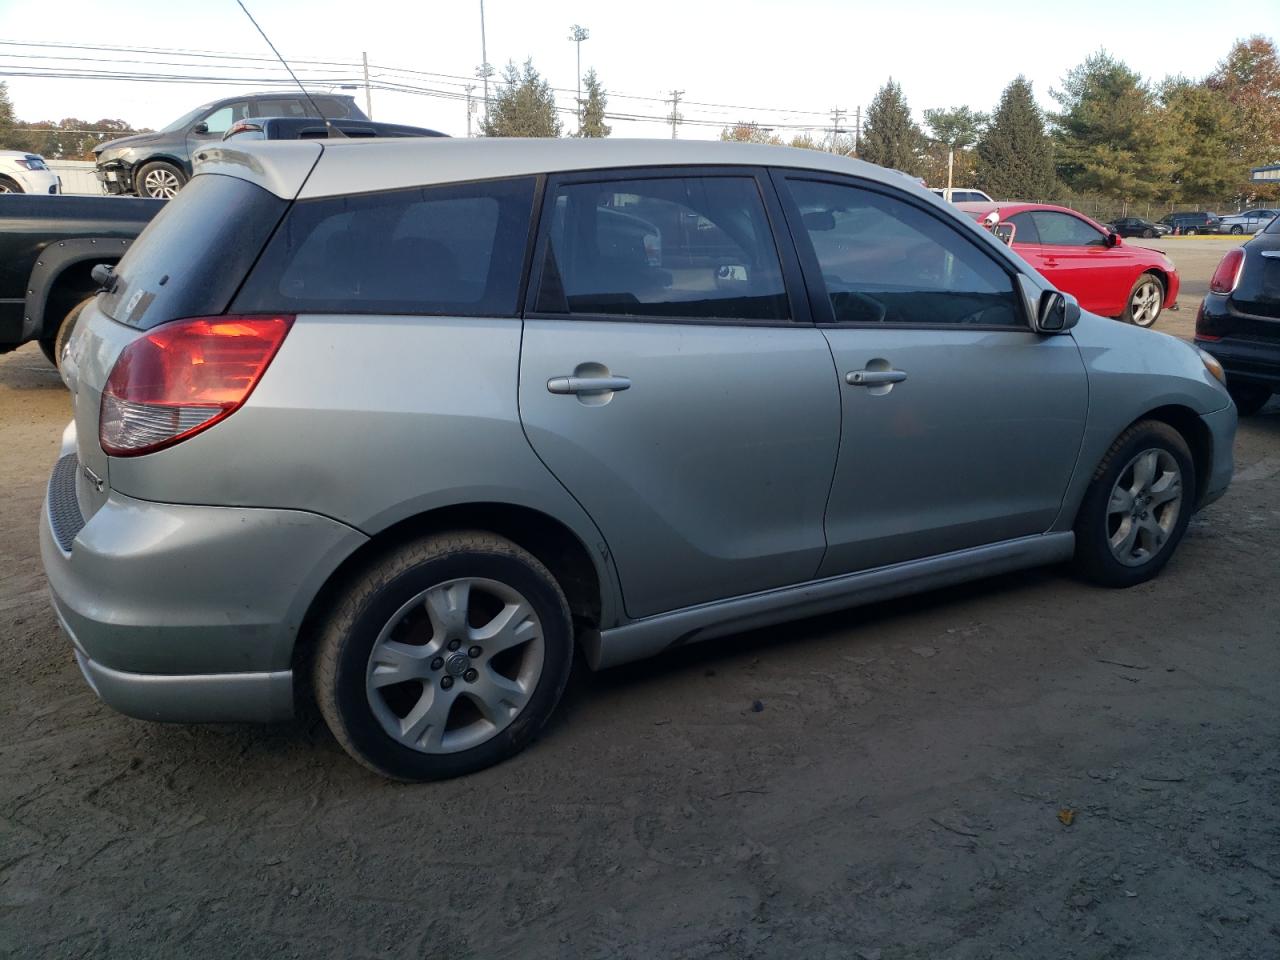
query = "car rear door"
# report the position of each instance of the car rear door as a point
(960, 425)
(671, 379)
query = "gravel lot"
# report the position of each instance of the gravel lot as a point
(883, 783)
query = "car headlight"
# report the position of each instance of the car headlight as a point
(1213, 366)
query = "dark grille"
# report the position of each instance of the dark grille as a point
(64, 509)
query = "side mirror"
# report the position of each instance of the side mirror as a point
(1058, 312)
(1113, 239)
(200, 128)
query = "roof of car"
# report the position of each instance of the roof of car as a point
(363, 165)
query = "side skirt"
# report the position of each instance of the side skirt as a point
(652, 635)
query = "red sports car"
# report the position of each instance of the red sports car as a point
(1082, 257)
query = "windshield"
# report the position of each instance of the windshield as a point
(186, 119)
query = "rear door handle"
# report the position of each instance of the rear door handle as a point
(874, 378)
(563, 385)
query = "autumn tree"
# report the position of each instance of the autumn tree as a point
(594, 106)
(1111, 135)
(523, 107)
(890, 137)
(750, 132)
(1249, 77)
(1014, 153)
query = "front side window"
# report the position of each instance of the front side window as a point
(447, 250)
(696, 248)
(887, 261)
(220, 121)
(1064, 230)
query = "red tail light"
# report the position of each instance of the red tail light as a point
(1227, 275)
(182, 378)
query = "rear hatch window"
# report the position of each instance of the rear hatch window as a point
(191, 259)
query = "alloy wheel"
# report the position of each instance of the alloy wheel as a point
(1145, 307)
(455, 665)
(1144, 507)
(5, 188)
(160, 184)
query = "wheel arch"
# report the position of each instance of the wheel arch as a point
(61, 279)
(550, 540)
(5, 178)
(1192, 429)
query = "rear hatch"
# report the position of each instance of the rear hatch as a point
(1257, 293)
(188, 262)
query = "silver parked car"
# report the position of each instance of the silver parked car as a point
(1248, 221)
(397, 425)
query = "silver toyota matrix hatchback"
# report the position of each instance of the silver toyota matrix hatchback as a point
(394, 426)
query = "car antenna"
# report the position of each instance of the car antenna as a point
(328, 125)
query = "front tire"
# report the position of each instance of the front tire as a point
(1190, 232)
(158, 180)
(10, 186)
(1249, 397)
(1137, 506)
(1146, 300)
(1148, 233)
(446, 656)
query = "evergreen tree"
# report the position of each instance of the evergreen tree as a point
(523, 107)
(8, 136)
(1015, 155)
(1205, 122)
(953, 131)
(890, 137)
(1111, 135)
(593, 109)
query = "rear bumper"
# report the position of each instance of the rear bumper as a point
(181, 612)
(1252, 361)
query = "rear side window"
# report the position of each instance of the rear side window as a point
(192, 257)
(452, 250)
(697, 248)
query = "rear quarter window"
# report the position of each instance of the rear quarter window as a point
(449, 250)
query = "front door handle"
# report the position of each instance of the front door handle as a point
(563, 385)
(874, 378)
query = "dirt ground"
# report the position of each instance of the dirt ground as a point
(882, 783)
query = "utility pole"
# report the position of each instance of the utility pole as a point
(577, 36)
(485, 70)
(857, 130)
(675, 117)
(836, 116)
(951, 157)
(471, 105)
(368, 95)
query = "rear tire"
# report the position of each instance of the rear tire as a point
(1137, 506)
(1148, 233)
(10, 186)
(1146, 301)
(446, 656)
(158, 180)
(1249, 397)
(1237, 230)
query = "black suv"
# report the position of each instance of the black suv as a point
(159, 164)
(1239, 321)
(1191, 223)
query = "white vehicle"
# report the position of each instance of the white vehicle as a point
(22, 172)
(1251, 221)
(961, 195)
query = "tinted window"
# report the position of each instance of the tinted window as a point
(886, 261)
(284, 107)
(164, 275)
(456, 249)
(1062, 229)
(966, 196)
(1026, 228)
(690, 247)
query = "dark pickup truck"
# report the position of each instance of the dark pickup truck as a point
(48, 249)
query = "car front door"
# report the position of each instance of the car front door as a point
(1077, 259)
(215, 124)
(674, 383)
(960, 425)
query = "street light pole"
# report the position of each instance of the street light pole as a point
(486, 69)
(577, 35)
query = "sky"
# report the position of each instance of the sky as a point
(782, 63)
